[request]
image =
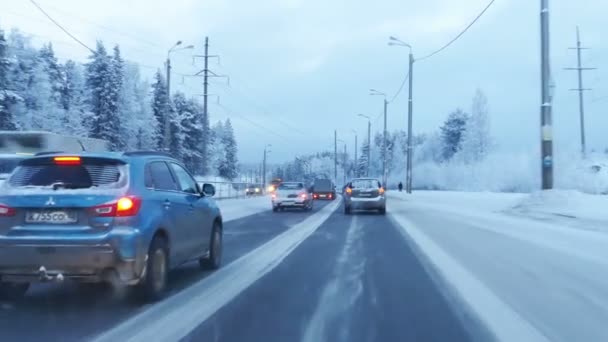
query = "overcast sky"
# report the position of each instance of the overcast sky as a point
(301, 68)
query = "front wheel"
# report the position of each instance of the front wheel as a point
(214, 260)
(13, 291)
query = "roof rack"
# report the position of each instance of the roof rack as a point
(147, 153)
(44, 153)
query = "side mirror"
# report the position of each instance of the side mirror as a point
(208, 190)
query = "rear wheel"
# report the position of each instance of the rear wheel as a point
(13, 291)
(214, 260)
(382, 211)
(275, 209)
(157, 268)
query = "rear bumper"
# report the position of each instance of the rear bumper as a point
(117, 255)
(365, 203)
(291, 202)
(325, 195)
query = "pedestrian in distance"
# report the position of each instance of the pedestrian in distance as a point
(400, 186)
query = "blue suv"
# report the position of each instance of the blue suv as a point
(123, 218)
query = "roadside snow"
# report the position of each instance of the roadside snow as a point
(234, 209)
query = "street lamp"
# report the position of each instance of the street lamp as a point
(343, 162)
(266, 151)
(369, 141)
(396, 42)
(167, 122)
(356, 160)
(375, 92)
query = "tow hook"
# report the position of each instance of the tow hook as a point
(45, 277)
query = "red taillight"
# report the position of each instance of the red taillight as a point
(304, 196)
(5, 210)
(67, 160)
(274, 196)
(315, 196)
(124, 206)
(330, 196)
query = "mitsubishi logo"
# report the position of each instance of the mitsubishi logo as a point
(50, 202)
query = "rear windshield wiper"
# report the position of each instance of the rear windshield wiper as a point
(62, 185)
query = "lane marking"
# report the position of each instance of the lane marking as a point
(504, 322)
(341, 292)
(175, 317)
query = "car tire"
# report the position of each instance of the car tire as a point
(382, 211)
(154, 283)
(13, 291)
(275, 209)
(214, 260)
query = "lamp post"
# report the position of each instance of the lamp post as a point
(167, 123)
(375, 92)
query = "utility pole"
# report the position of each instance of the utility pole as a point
(206, 79)
(410, 109)
(580, 89)
(264, 166)
(545, 117)
(335, 156)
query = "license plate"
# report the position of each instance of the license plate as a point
(51, 216)
(322, 196)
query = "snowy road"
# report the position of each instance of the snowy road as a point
(438, 267)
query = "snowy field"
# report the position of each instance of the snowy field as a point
(531, 266)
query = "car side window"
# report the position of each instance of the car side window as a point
(185, 182)
(160, 177)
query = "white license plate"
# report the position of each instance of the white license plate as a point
(51, 216)
(322, 196)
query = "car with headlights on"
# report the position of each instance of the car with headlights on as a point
(292, 195)
(364, 194)
(114, 217)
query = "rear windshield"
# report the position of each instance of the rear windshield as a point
(291, 186)
(83, 176)
(365, 184)
(7, 165)
(322, 183)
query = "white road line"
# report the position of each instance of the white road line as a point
(341, 292)
(175, 317)
(504, 322)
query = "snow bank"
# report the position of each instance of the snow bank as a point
(567, 206)
(234, 209)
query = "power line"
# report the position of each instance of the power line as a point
(400, 88)
(231, 112)
(61, 27)
(460, 34)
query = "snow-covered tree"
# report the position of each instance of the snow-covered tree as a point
(476, 140)
(161, 107)
(216, 147)
(138, 125)
(452, 133)
(363, 163)
(228, 167)
(7, 96)
(99, 80)
(73, 100)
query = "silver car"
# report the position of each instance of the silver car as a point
(365, 194)
(292, 195)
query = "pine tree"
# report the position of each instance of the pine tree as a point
(7, 96)
(228, 166)
(452, 133)
(73, 98)
(160, 107)
(363, 162)
(115, 91)
(53, 69)
(216, 147)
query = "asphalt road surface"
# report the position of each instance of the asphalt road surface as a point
(70, 312)
(356, 278)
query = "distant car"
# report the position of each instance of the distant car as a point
(292, 195)
(123, 218)
(324, 189)
(364, 194)
(253, 190)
